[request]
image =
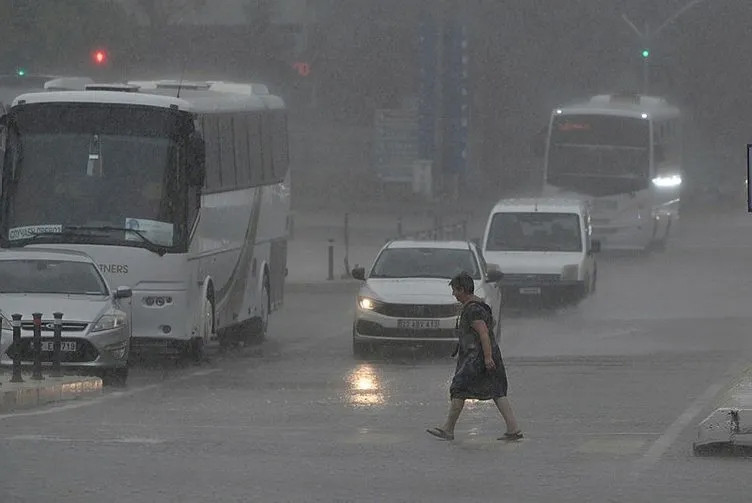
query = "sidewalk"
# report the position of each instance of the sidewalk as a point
(30, 393)
(308, 246)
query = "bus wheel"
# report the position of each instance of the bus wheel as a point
(660, 244)
(265, 309)
(197, 345)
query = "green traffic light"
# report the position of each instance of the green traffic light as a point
(645, 53)
(21, 72)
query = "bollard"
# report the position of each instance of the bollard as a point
(331, 260)
(17, 346)
(347, 245)
(57, 343)
(37, 372)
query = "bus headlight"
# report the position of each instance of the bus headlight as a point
(667, 181)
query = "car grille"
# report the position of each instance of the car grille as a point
(419, 310)
(85, 351)
(47, 326)
(531, 278)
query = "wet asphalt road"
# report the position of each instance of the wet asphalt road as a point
(608, 394)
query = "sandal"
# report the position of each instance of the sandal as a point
(517, 435)
(438, 432)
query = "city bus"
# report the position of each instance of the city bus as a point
(623, 154)
(180, 190)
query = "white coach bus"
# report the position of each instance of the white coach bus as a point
(179, 190)
(623, 154)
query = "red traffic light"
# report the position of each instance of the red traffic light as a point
(99, 56)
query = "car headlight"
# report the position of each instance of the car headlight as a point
(667, 181)
(109, 321)
(367, 303)
(569, 272)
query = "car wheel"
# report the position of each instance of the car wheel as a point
(115, 377)
(362, 350)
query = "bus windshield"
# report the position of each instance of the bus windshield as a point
(110, 170)
(599, 155)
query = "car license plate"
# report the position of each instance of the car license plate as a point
(67, 346)
(533, 290)
(418, 324)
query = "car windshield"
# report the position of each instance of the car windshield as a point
(50, 276)
(535, 232)
(424, 263)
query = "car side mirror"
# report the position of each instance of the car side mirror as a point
(123, 292)
(595, 246)
(494, 276)
(196, 153)
(359, 273)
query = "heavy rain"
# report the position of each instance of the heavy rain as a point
(228, 230)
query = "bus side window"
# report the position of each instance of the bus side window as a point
(280, 145)
(267, 148)
(226, 152)
(242, 159)
(254, 149)
(210, 127)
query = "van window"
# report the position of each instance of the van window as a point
(535, 231)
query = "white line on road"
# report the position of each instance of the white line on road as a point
(109, 396)
(120, 440)
(665, 441)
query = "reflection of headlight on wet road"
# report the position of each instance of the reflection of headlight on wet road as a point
(364, 386)
(667, 181)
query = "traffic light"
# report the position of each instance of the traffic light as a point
(20, 72)
(99, 57)
(645, 53)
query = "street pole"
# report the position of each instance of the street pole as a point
(645, 62)
(647, 37)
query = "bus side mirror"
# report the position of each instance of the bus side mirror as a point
(196, 152)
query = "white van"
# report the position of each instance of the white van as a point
(544, 247)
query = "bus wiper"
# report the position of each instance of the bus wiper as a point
(46, 234)
(150, 245)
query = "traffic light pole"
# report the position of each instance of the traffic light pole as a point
(647, 37)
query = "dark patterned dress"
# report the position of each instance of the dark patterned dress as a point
(471, 379)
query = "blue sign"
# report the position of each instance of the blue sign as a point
(749, 178)
(427, 88)
(456, 104)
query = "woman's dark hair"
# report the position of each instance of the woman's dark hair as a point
(463, 281)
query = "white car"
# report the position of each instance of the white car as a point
(96, 328)
(406, 298)
(545, 249)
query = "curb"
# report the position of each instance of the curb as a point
(730, 423)
(29, 394)
(334, 286)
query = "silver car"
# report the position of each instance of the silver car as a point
(96, 327)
